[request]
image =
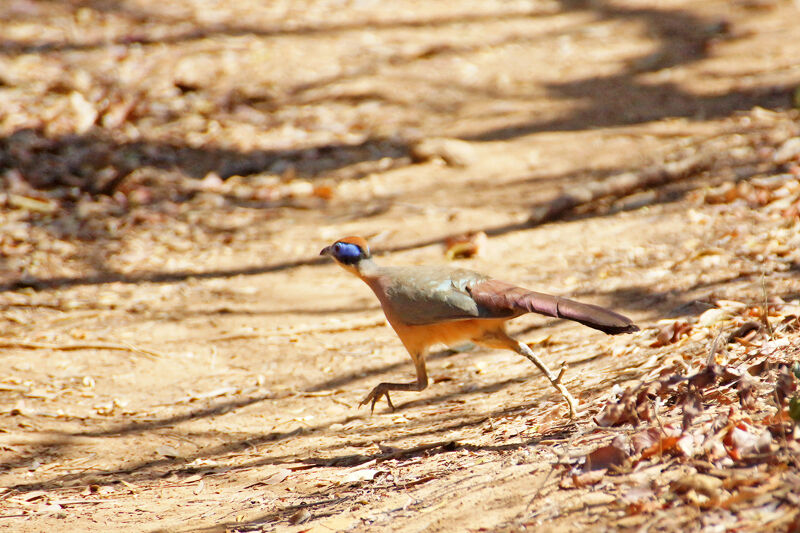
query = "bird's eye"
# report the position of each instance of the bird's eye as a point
(346, 252)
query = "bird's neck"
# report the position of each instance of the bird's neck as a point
(366, 269)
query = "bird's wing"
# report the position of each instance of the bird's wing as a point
(498, 299)
(427, 295)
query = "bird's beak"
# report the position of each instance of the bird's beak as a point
(326, 251)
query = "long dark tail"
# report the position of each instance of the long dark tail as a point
(498, 298)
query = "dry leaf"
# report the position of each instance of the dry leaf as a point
(742, 439)
(692, 406)
(613, 456)
(300, 516)
(711, 317)
(663, 445)
(633, 407)
(32, 204)
(786, 384)
(592, 477)
(168, 451)
(464, 246)
(366, 474)
(747, 392)
(671, 333)
(645, 439)
(454, 152)
(655, 440)
(746, 331)
(323, 191)
(701, 483)
(706, 377)
(276, 477)
(687, 445)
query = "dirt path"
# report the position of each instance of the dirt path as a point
(178, 358)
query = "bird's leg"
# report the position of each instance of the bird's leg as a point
(500, 339)
(382, 389)
(555, 379)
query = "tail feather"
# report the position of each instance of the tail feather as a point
(499, 299)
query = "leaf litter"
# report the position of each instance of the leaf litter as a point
(131, 178)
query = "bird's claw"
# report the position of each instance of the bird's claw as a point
(560, 375)
(571, 403)
(375, 395)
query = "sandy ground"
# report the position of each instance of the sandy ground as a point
(177, 356)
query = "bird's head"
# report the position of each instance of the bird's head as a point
(348, 252)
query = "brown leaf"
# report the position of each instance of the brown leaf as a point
(611, 415)
(700, 483)
(592, 477)
(664, 445)
(645, 439)
(623, 411)
(786, 384)
(671, 333)
(276, 477)
(642, 507)
(714, 449)
(655, 440)
(747, 331)
(300, 516)
(454, 152)
(613, 456)
(687, 444)
(749, 479)
(759, 368)
(634, 406)
(708, 376)
(323, 191)
(465, 245)
(692, 407)
(742, 439)
(746, 389)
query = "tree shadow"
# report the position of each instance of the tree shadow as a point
(332, 495)
(79, 160)
(150, 469)
(612, 100)
(278, 28)
(621, 99)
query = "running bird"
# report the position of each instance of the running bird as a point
(427, 305)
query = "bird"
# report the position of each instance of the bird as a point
(428, 305)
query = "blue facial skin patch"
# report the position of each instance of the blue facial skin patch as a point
(346, 252)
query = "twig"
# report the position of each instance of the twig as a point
(778, 414)
(710, 360)
(353, 326)
(765, 307)
(544, 482)
(618, 186)
(445, 444)
(663, 432)
(6, 343)
(558, 461)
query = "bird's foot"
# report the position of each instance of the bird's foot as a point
(560, 375)
(556, 382)
(375, 395)
(572, 404)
